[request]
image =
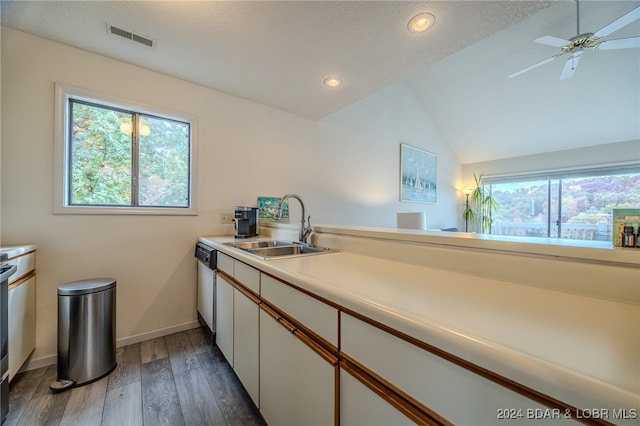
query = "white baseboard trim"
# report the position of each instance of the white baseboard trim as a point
(125, 341)
(47, 360)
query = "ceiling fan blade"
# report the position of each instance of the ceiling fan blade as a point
(621, 43)
(619, 23)
(571, 65)
(552, 41)
(536, 65)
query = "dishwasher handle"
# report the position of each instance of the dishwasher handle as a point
(206, 255)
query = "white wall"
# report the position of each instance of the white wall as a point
(346, 168)
(612, 153)
(378, 124)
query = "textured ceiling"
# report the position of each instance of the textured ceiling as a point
(484, 115)
(278, 53)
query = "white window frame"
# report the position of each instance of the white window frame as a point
(61, 202)
(566, 173)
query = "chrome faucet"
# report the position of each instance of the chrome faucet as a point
(305, 227)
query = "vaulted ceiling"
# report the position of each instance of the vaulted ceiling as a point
(278, 53)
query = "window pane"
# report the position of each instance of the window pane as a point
(588, 203)
(100, 157)
(581, 207)
(523, 208)
(164, 162)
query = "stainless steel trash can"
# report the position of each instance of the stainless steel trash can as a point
(86, 331)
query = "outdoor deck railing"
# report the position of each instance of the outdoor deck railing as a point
(573, 231)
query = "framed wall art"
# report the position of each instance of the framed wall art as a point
(418, 175)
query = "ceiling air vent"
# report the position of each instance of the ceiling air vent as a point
(129, 35)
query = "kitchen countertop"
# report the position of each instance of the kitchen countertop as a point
(580, 250)
(582, 350)
(15, 251)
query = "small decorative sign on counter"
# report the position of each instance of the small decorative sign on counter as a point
(268, 207)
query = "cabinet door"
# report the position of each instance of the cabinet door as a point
(224, 317)
(246, 336)
(297, 386)
(22, 324)
(359, 405)
(206, 280)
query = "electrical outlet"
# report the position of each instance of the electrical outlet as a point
(226, 218)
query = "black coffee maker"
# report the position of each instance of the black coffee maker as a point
(246, 221)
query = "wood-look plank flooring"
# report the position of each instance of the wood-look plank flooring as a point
(179, 379)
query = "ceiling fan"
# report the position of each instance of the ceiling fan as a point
(575, 46)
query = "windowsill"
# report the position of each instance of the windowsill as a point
(149, 211)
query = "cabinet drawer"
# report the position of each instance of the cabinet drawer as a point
(247, 275)
(225, 263)
(319, 317)
(25, 263)
(453, 392)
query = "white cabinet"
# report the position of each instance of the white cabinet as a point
(290, 377)
(237, 320)
(306, 360)
(297, 386)
(224, 317)
(246, 337)
(225, 263)
(206, 286)
(319, 317)
(447, 389)
(22, 324)
(360, 406)
(247, 276)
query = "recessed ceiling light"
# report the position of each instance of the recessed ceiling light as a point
(332, 82)
(421, 22)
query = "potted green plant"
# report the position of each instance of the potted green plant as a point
(479, 206)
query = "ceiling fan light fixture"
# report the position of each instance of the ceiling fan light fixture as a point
(332, 81)
(575, 46)
(421, 22)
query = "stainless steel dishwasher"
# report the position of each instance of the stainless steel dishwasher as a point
(206, 256)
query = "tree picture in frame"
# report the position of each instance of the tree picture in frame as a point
(418, 175)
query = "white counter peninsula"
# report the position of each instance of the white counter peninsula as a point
(402, 326)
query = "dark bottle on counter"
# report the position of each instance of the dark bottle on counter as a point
(628, 237)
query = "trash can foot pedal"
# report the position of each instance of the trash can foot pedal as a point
(60, 385)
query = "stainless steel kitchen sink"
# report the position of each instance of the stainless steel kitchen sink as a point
(272, 249)
(250, 245)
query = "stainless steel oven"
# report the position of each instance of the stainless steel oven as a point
(6, 270)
